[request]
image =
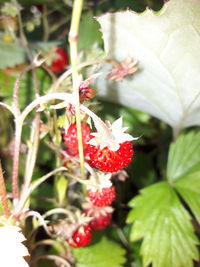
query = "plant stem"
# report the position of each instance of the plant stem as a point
(32, 152)
(73, 40)
(31, 188)
(17, 142)
(18, 129)
(3, 194)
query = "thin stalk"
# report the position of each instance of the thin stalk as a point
(32, 152)
(17, 142)
(3, 194)
(55, 258)
(16, 88)
(73, 41)
(26, 194)
(18, 128)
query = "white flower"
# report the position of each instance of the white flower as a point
(110, 136)
(11, 248)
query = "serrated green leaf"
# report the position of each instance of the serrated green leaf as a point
(102, 254)
(11, 55)
(167, 83)
(184, 155)
(189, 188)
(160, 219)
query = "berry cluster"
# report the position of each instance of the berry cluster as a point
(104, 158)
(109, 149)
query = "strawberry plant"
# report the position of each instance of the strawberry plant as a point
(100, 143)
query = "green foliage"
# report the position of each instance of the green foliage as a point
(89, 31)
(183, 155)
(184, 169)
(189, 188)
(7, 81)
(102, 254)
(164, 224)
(61, 184)
(11, 55)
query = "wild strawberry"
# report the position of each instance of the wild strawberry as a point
(71, 141)
(111, 161)
(102, 197)
(109, 148)
(101, 222)
(100, 190)
(81, 237)
(60, 61)
(101, 215)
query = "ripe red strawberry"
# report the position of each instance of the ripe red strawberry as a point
(101, 216)
(101, 222)
(61, 60)
(102, 197)
(111, 161)
(71, 141)
(81, 237)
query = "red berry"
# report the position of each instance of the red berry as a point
(71, 141)
(60, 62)
(101, 217)
(102, 197)
(81, 237)
(111, 161)
(101, 222)
(86, 93)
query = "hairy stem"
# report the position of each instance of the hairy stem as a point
(32, 152)
(17, 142)
(73, 40)
(16, 88)
(3, 195)
(18, 128)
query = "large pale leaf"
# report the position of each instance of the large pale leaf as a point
(167, 47)
(105, 253)
(184, 156)
(160, 219)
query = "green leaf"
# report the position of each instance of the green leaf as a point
(184, 155)
(11, 55)
(7, 80)
(61, 184)
(102, 254)
(167, 82)
(163, 223)
(189, 188)
(89, 31)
